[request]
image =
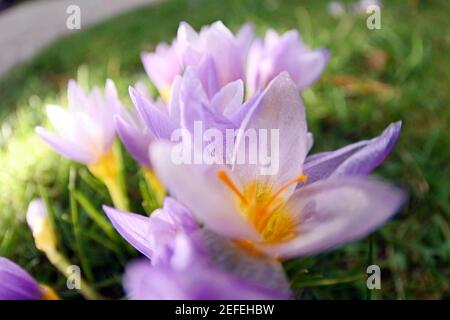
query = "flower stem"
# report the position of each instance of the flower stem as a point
(155, 185)
(76, 226)
(109, 169)
(117, 194)
(62, 264)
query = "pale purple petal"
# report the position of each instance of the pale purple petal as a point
(279, 111)
(335, 211)
(229, 98)
(162, 66)
(174, 99)
(16, 283)
(177, 214)
(85, 129)
(66, 147)
(237, 114)
(207, 74)
(268, 58)
(136, 140)
(244, 39)
(222, 47)
(189, 48)
(193, 100)
(253, 77)
(215, 41)
(359, 158)
(132, 227)
(310, 67)
(195, 106)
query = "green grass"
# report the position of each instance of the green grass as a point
(413, 250)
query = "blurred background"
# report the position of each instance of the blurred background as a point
(374, 77)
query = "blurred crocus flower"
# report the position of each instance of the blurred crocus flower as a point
(137, 138)
(187, 274)
(278, 214)
(336, 8)
(287, 52)
(18, 284)
(178, 266)
(215, 54)
(360, 7)
(188, 103)
(162, 66)
(85, 133)
(38, 221)
(85, 130)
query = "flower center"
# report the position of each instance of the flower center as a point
(265, 208)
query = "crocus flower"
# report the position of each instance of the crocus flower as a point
(85, 133)
(188, 275)
(85, 130)
(137, 138)
(278, 214)
(162, 66)
(18, 284)
(287, 52)
(179, 266)
(216, 55)
(37, 219)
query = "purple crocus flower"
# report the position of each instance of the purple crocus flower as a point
(188, 275)
(214, 53)
(179, 265)
(86, 133)
(18, 284)
(150, 235)
(216, 42)
(272, 214)
(287, 52)
(189, 102)
(85, 130)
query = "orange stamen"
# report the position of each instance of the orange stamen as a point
(223, 176)
(300, 178)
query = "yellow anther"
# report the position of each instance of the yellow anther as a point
(48, 293)
(273, 222)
